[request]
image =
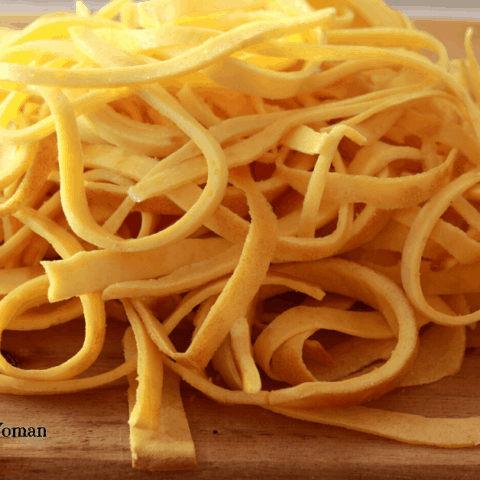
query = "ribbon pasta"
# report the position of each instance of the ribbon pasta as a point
(291, 187)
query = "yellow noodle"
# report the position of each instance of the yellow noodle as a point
(242, 174)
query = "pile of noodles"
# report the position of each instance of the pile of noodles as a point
(185, 166)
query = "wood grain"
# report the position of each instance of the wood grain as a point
(89, 430)
(87, 433)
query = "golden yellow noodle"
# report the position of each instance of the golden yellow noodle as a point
(184, 169)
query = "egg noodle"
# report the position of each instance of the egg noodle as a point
(280, 198)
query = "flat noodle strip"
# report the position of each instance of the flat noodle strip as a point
(415, 243)
(408, 428)
(55, 26)
(34, 291)
(256, 81)
(389, 37)
(350, 356)
(242, 354)
(316, 185)
(181, 280)
(388, 193)
(14, 277)
(352, 280)
(441, 353)
(170, 448)
(250, 149)
(14, 245)
(245, 125)
(456, 242)
(331, 52)
(72, 277)
(22, 160)
(246, 279)
(459, 279)
(109, 126)
(193, 60)
(78, 214)
(18, 386)
(195, 297)
(309, 319)
(33, 183)
(146, 413)
(288, 362)
(46, 126)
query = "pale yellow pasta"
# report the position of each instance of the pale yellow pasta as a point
(290, 187)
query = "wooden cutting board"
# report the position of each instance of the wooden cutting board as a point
(87, 433)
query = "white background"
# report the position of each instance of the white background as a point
(464, 9)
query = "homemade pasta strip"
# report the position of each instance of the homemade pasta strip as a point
(34, 180)
(220, 394)
(389, 37)
(310, 319)
(224, 363)
(35, 320)
(111, 127)
(79, 218)
(21, 159)
(218, 47)
(415, 243)
(456, 280)
(392, 237)
(197, 107)
(399, 192)
(246, 279)
(171, 447)
(195, 297)
(350, 356)
(14, 245)
(316, 185)
(55, 26)
(34, 291)
(14, 277)
(454, 240)
(408, 428)
(287, 360)
(441, 353)
(397, 57)
(18, 386)
(242, 355)
(181, 280)
(253, 80)
(246, 125)
(72, 276)
(46, 126)
(245, 151)
(159, 432)
(146, 413)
